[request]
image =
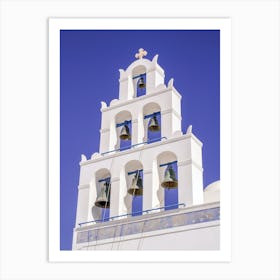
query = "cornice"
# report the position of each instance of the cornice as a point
(136, 99)
(142, 147)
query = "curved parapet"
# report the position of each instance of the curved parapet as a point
(103, 105)
(155, 59)
(145, 64)
(189, 130)
(83, 158)
(95, 155)
(142, 68)
(177, 133)
(170, 83)
(114, 102)
(212, 192)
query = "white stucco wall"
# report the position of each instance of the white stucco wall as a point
(190, 175)
(192, 228)
(203, 237)
(170, 117)
(185, 149)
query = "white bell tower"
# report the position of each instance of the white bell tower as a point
(128, 148)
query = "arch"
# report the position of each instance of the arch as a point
(154, 77)
(102, 173)
(134, 203)
(138, 70)
(122, 119)
(148, 110)
(122, 116)
(151, 107)
(102, 176)
(146, 63)
(169, 196)
(166, 157)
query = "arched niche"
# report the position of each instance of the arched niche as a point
(102, 176)
(167, 196)
(154, 77)
(138, 75)
(122, 119)
(133, 171)
(151, 110)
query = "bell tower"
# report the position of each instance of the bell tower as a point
(148, 75)
(143, 153)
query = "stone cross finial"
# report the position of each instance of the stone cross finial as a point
(141, 53)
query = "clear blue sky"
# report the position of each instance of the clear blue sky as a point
(89, 74)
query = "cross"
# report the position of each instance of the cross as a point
(141, 53)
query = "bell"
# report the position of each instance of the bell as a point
(141, 83)
(153, 124)
(170, 180)
(125, 135)
(103, 200)
(136, 186)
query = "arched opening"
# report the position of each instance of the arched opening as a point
(123, 130)
(139, 80)
(152, 122)
(103, 190)
(134, 183)
(168, 179)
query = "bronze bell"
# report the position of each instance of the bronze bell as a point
(136, 186)
(141, 83)
(103, 200)
(153, 124)
(125, 134)
(170, 180)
